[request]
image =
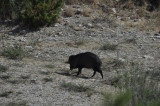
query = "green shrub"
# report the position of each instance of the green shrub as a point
(41, 12)
(15, 52)
(10, 8)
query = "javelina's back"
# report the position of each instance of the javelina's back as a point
(89, 60)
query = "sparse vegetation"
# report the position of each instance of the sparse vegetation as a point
(122, 99)
(80, 42)
(154, 3)
(71, 2)
(18, 64)
(86, 12)
(3, 68)
(45, 72)
(132, 40)
(145, 92)
(16, 81)
(73, 87)
(47, 79)
(22, 103)
(109, 46)
(118, 63)
(49, 66)
(25, 76)
(5, 94)
(15, 52)
(69, 12)
(5, 77)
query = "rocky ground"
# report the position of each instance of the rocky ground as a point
(38, 79)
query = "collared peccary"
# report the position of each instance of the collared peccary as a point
(85, 60)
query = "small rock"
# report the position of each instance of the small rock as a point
(29, 47)
(33, 81)
(90, 25)
(57, 24)
(23, 39)
(10, 33)
(114, 10)
(121, 59)
(148, 57)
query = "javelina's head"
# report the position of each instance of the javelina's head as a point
(72, 62)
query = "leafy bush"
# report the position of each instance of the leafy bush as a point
(41, 12)
(10, 8)
(33, 13)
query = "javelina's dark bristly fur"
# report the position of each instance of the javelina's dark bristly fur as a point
(85, 60)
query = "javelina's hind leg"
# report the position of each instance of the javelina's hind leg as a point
(100, 71)
(93, 74)
(79, 71)
(97, 70)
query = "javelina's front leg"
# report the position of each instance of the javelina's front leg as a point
(79, 71)
(94, 73)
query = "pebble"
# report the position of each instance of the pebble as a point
(23, 39)
(148, 57)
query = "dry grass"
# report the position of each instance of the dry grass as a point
(47, 79)
(21, 103)
(71, 2)
(69, 12)
(86, 12)
(73, 87)
(108, 46)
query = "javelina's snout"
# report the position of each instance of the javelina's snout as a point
(85, 60)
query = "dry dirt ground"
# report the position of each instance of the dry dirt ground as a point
(39, 78)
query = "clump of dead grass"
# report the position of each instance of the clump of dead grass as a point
(69, 12)
(86, 12)
(89, 2)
